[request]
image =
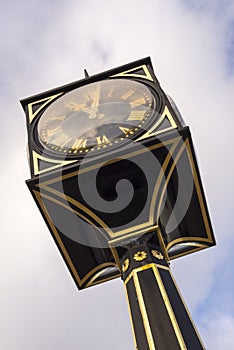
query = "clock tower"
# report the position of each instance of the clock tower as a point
(96, 114)
(115, 177)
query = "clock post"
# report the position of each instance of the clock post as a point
(159, 316)
(115, 177)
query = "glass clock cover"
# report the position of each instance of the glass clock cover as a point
(96, 116)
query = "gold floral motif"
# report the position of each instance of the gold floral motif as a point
(157, 254)
(125, 265)
(140, 256)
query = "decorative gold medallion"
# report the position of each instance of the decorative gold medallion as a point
(140, 256)
(157, 254)
(125, 265)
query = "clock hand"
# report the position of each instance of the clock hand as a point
(108, 110)
(95, 102)
(92, 111)
(86, 120)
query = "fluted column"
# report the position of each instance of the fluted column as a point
(160, 319)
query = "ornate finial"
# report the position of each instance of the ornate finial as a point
(86, 73)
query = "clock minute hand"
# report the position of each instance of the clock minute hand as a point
(92, 111)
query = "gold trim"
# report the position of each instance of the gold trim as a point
(199, 192)
(186, 308)
(145, 267)
(138, 229)
(148, 224)
(80, 206)
(166, 114)
(157, 254)
(186, 146)
(45, 185)
(111, 161)
(36, 157)
(104, 280)
(131, 320)
(184, 241)
(178, 155)
(128, 278)
(116, 256)
(190, 252)
(92, 280)
(165, 298)
(130, 73)
(31, 114)
(160, 178)
(162, 267)
(136, 233)
(169, 309)
(162, 244)
(125, 265)
(140, 256)
(79, 280)
(143, 310)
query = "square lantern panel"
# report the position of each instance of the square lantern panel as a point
(94, 207)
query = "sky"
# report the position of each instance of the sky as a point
(45, 44)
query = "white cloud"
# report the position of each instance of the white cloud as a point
(218, 330)
(47, 44)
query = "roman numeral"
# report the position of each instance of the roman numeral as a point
(56, 117)
(127, 94)
(136, 115)
(60, 140)
(75, 106)
(102, 139)
(138, 102)
(124, 130)
(110, 92)
(79, 143)
(51, 132)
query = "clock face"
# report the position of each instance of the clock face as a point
(96, 116)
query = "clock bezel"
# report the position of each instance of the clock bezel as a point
(55, 154)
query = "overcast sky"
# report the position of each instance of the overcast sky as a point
(45, 44)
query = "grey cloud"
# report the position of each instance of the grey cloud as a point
(48, 44)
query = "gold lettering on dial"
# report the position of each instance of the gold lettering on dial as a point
(124, 130)
(102, 139)
(136, 115)
(138, 102)
(110, 92)
(53, 131)
(56, 117)
(75, 106)
(79, 143)
(60, 140)
(127, 94)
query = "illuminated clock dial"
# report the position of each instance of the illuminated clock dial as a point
(96, 116)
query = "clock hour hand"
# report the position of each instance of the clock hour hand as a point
(95, 102)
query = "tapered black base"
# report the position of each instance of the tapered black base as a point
(160, 319)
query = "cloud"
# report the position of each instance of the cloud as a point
(218, 330)
(47, 44)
